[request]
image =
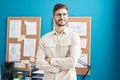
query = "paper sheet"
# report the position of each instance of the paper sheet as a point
(32, 59)
(31, 28)
(15, 28)
(29, 47)
(83, 42)
(25, 61)
(78, 27)
(84, 59)
(14, 52)
(19, 65)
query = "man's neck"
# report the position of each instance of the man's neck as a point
(59, 29)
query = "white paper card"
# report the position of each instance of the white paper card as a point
(83, 61)
(15, 28)
(83, 42)
(31, 28)
(25, 61)
(19, 65)
(29, 47)
(78, 27)
(14, 52)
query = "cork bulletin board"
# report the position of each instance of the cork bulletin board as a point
(82, 25)
(23, 35)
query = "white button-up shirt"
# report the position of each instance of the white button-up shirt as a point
(56, 46)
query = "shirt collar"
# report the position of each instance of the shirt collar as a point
(64, 32)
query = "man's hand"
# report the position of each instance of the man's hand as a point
(68, 54)
(48, 59)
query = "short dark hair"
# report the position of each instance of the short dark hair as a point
(59, 6)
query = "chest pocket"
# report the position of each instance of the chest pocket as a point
(50, 49)
(64, 48)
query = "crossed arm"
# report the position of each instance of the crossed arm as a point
(48, 59)
(55, 65)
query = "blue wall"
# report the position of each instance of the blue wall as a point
(104, 48)
(118, 37)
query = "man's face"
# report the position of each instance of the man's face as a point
(61, 17)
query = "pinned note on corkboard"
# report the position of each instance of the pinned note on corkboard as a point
(23, 35)
(82, 26)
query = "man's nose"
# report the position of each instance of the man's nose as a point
(61, 16)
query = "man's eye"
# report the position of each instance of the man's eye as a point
(64, 14)
(58, 14)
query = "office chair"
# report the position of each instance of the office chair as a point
(8, 71)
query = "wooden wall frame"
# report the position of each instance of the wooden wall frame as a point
(88, 37)
(23, 63)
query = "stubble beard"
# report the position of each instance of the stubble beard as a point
(59, 24)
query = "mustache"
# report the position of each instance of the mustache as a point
(61, 20)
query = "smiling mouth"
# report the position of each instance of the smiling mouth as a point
(61, 20)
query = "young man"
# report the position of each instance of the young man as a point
(59, 50)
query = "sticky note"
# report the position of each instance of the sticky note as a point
(21, 38)
(22, 65)
(25, 22)
(32, 59)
